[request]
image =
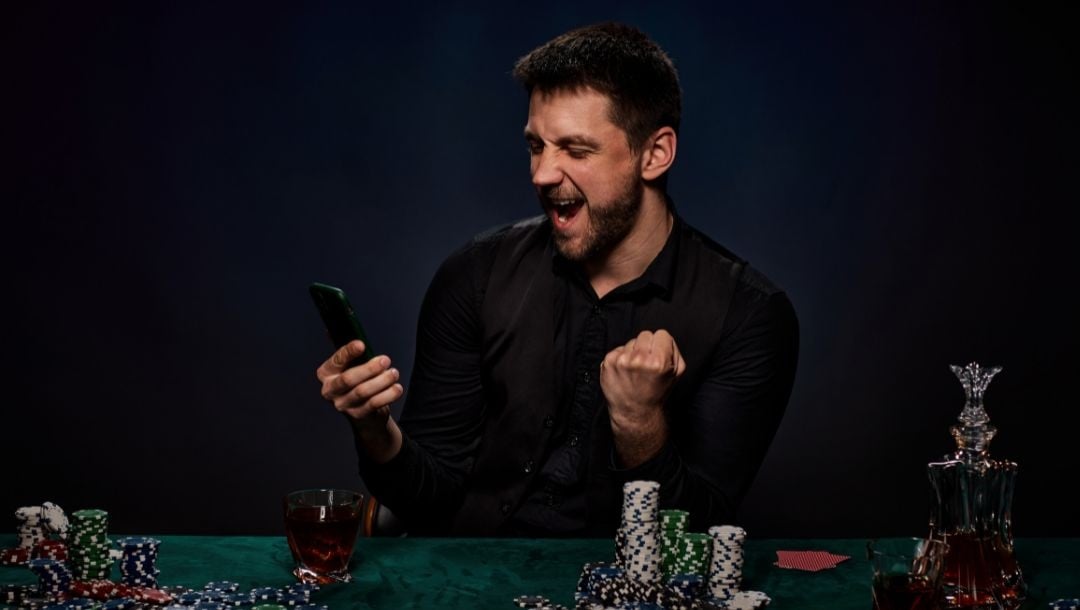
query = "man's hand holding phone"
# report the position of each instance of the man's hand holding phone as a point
(358, 385)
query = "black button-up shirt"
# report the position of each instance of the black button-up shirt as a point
(738, 334)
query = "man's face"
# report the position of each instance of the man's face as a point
(585, 174)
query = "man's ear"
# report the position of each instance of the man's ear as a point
(659, 153)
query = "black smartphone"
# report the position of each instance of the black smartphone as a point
(338, 317)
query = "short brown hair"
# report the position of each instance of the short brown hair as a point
(617, 60)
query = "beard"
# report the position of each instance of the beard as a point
(608, 223)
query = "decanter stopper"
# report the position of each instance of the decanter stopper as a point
(974, 432)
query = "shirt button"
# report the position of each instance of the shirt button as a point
(574, 440)
(596, 309)
(550, 500)
(586, 376)
(549, 422)
(505, 508)
(528, 466)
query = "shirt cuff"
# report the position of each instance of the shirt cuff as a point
(661, 467)
(380, 479)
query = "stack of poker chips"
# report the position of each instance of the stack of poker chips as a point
(54, 577)
(638, 541)
(725, 567)
(694, 571)
(89, 548)
(138, 561)
(221, 595)
(31, 528)
(51, 549)
(692, 554)
(673, 524)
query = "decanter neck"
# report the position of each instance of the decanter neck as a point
(973, 442)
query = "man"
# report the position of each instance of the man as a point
(603, 342)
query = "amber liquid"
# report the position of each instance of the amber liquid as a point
(905, 592)
(322, 539)
(981, 572)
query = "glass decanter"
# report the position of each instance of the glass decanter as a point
(972, 508)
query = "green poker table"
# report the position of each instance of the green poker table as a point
(466, 573)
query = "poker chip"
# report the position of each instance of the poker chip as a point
(531, 601)
(15, 556)
(1065, 604)
(120, 603)
(80, 603)
(293, 598)
(151, 595)
(190, 598)
(268, 594)
(222, 585)
(660, 564)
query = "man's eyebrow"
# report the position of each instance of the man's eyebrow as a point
(573, 140)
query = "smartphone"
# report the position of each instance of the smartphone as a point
(338, 317)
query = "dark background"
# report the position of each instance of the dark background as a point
(176, 175)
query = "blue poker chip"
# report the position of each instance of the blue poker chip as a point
(79, 603)
(265, 594)
(1065, 604)
(208, 606)
(531, 601)
(222, 585)
(120, 603)
(306, 587)
(293, 598)
(190, 598)
(216, 595)
(137, 542)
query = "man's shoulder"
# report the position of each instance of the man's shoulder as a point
(716, 257)
(525, 228)
(521, 236)
(476, 257)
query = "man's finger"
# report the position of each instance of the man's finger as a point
(348, 352)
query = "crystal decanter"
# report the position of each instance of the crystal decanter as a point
(972, 508)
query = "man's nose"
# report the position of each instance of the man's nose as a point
(545, 168)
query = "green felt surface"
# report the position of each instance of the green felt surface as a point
(443, 574)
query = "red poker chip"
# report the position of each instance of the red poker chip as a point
(51, 549)
(100, 590)
(149, 594)
(14, 557)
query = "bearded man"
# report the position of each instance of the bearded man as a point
(605, 341)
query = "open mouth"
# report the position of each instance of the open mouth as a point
(563, 211)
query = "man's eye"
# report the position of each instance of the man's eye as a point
(534, 149)
(577, 153)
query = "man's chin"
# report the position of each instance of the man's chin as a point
(569, 248)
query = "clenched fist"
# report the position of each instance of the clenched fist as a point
(636, 379)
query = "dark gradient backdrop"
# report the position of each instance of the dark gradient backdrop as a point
(177, 173)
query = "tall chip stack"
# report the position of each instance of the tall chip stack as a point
(31, 529)
(673, 523)
(138, 562)
(89, 550)
(54, 577)
(638, 539)
(693, 551)
(725, 569)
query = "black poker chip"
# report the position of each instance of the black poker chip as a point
(531, 601)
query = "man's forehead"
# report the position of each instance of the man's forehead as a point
(570, 108)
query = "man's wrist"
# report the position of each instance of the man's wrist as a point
(638, 442)
(380, 443)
